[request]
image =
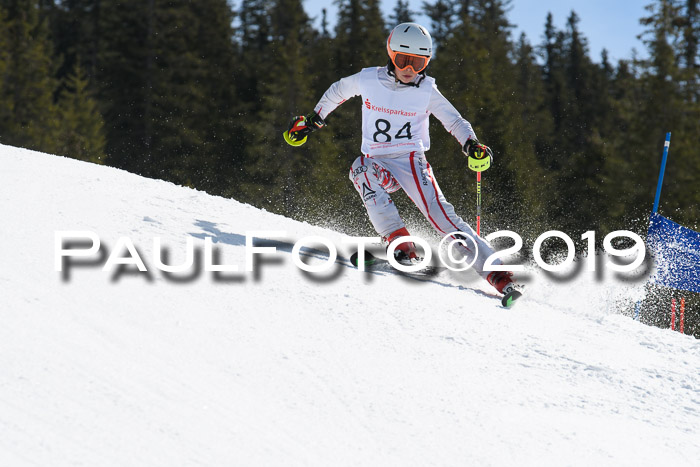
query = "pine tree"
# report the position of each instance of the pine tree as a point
(661, 70)
(190, 107)
(28, 113)
(272, 167)
(166, 83)
(532, 96)
(578, 81)
(584, 110)
(658, 111)
(252, 38)
(322, 56)
(82, 135)
(124, 77)
(360, 36)
(690, 24)
(577, 94)
(442, 19)
(216, 161)
(624, 151)
(534, 186)
(75, 27)
(402, 13)
(554, 78)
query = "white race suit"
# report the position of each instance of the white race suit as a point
(394, 141)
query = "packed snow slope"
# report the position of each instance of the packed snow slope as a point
(281, 367)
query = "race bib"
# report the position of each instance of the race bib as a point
(394, 121)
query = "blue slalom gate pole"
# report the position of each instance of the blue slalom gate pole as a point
(667, 144)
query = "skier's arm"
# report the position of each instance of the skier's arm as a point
(339, 92)
(479, 155)
(450, 118)
(301, 126)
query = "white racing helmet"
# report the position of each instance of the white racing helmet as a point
(410, 45)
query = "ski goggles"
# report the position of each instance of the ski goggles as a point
(401, 61)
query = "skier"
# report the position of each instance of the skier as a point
(397, 100)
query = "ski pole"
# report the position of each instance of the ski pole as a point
(478, 204)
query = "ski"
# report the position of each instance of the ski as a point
(372, 263)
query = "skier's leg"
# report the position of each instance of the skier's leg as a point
(374, 183)
(422, 187)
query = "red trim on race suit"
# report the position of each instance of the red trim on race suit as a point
(420, 190)
(437, 197)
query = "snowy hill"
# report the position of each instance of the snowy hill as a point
(282, 367)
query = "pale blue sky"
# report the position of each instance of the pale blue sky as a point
(610, 24)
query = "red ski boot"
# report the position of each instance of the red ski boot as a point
(405, 253)
(502, 281)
